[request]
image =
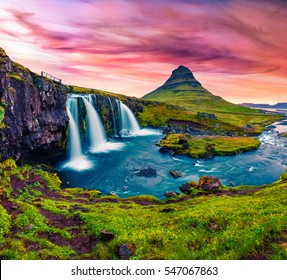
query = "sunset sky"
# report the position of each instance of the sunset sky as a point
(236, 49)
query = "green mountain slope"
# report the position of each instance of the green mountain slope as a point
(184, 90)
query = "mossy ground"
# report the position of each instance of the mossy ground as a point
(160, 114)
(40, 221)
(206, 146)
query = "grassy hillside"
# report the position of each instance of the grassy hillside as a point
(40, 221)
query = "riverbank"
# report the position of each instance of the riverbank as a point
(41, 221)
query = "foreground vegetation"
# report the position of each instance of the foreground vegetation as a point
(208, 146)
(38, 220)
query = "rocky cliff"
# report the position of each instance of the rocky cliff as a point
(33, 116)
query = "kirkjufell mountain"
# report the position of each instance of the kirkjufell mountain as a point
(183, 89)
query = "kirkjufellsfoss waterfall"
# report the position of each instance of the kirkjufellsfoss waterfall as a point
(95, 128)
(128, 125)
(78, 160)
(96, 140)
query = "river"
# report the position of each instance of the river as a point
(120, 170)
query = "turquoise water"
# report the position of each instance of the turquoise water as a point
(118, 170)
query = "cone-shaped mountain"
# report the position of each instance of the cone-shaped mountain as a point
(183, 89)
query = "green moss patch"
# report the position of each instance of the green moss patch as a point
(208, 146)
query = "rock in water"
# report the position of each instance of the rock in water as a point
(145, 172)
(209, 183)
(175, 174)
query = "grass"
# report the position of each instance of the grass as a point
(207, 227)
(201, 147)
(160, 115)
(198, 99)
(2, 114)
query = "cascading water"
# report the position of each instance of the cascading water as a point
(77, 159)
(129, 125)
(97, 136)
(97, 139)
(113, 114)
(75, 147)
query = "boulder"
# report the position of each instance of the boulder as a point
(175, 174)
(107, 235)
(188, 187)
(209, 183)
(203, 115)
(171, 194)
(125, 251)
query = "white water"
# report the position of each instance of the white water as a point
(97, 136)
(77, 159)
(129, 124)
(113, 115)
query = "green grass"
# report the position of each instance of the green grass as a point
(2, 114)
(206, 227)
(198, 99)
(200, 147)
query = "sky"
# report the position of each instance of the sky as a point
(236, 49)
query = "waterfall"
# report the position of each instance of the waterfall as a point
(77, 160)
(129, 125)
(113, 114)
(75, 147)
(97, 136)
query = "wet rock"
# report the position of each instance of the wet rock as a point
(209, 183)
(163, 150)
(188, 187)
(282, 134)
(145, 172)
(171, 194)
(107, 235)
(168, 210)
(175, 174)
(125, 251)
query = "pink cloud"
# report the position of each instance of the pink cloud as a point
(141, 40)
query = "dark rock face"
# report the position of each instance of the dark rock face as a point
(209, 183)
(175, 173)
(35, 118)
